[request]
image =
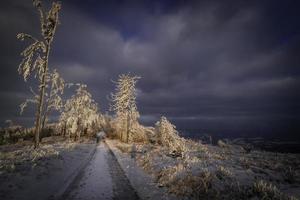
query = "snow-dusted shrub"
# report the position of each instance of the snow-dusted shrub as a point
(222, 144)
(125, 148)
(3, 137)
(289, 174)
(138, 133)
(168, 136)
(183, 182)
(146, 162)
(168, 175)
(151, 135)
(12, 134)
(47, 132)
(245, 162)
(269, 192)
(28, 133)
(223, 172)
(112, 132)
(106, 125)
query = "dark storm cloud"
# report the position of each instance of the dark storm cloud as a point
(207, 65)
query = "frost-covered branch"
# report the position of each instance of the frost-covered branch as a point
(35, 57)
(124, 104)
(80, 112)
(168, 136)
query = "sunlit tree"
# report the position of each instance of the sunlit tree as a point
(80, 113)
(53, 96)
(36, 56)
(55, 85)
(168, 135)
(124, 105)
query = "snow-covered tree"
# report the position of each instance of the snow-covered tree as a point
(168, 136)
(36, 56)
(80, 113)
(53, 96)
(124, 105)
(55, 86)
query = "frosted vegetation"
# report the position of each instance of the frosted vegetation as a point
(36, 60)
(186, 168)
(80, 115)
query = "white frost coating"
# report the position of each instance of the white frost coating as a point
(168, 136)
(124, 106)
(55, 86)
(36, 58)
(80, 113)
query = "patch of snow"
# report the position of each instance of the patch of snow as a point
(95, 182)
(46, 176)
(144, 184)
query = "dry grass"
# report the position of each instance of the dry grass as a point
(194, 186)
(268, 191)
(124, 148)
(223, 172)
(289, 174)
(193, 170)
(210, 172)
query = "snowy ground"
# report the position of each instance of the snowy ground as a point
(144, 184)
(95, 181)
(62, 170)
(26, 173)
(212, 172)
(65, 170)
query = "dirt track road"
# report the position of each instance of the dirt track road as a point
(103, 178)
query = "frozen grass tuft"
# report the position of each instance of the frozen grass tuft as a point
(269, 192)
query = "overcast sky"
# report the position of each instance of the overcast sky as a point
(218, 67)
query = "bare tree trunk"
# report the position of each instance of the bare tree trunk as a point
(41, 100)
(128, 127)
(47, 110)
(121, 135)
(43, 122)
(85, 132)
(65, 130)
(78, 132)
(44, 117)
(69, 134)
(122, 129)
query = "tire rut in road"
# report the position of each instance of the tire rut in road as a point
(122, 188)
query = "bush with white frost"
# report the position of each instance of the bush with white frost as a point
(269, 192)
(80, 114)
(167, 136)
